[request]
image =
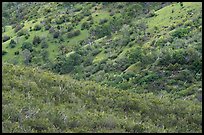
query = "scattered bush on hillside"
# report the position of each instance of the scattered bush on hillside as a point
(12, 44)
(51, 30)
(5, 38)
(26, 56)
(4, 52)
(37, 27)
(47, 27)
(102, 21)
(73, 33)
(56, 34)
(22, 32)
(85, 25)
(44, 44)
(36, 40)
(16, 53)
(27, 45)
(181, 32)
(60, 20)
(151, 14)
(18, 27)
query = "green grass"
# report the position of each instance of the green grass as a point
(99, 57)
(164, 15)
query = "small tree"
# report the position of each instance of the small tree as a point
(26, 56)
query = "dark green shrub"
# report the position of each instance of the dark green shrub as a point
(44, 44)
(22, 32)
(26, 45)
(4, 52)
(181, 32)
(47, 27)
(73, 33)
(37, 27)
(12, 44)
(16, 53)
(36, 40)
(151, 14)
(17, 28)
(51, 30)
(85, 25)
(5, 38)
(102, 21)
(60, 20)
(56, 34)
(69, 28)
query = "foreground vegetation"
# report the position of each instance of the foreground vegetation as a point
(39, 101)
(102, 67)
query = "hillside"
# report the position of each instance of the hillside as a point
(102, 66)
(151, 47)
(39, 101)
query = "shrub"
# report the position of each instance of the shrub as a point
(37, 27)
(69, 28)
(51, 30)
(152, 14)
(60, 20)
(12, 43)
(36, 40)
(26, 45)
(5, 38)
(112, 13)
(44, 44)
(180, 32)
(47, 27)
(56, 34)
(22, 32)
(87, 13)
(89, 18)
(4, 52)
(17, 28)
(85, 25)
(16, 53)
(73, 33)
(102, 21)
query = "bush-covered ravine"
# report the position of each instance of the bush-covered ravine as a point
(35, 100)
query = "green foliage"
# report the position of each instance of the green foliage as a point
(73, 33)
(102, 21)
(139, 48)
(60, 20)
(22, 32)
(44, 44)
(4, 52)
(37, 27)
(85, 25)
(45, 102)
(17, 28)
(12, 43)
(56, 34)
(66, 64)
(26, 45)
(36, 40)
(182, 32)
(5, 38)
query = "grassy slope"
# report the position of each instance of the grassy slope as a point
(38, 101)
